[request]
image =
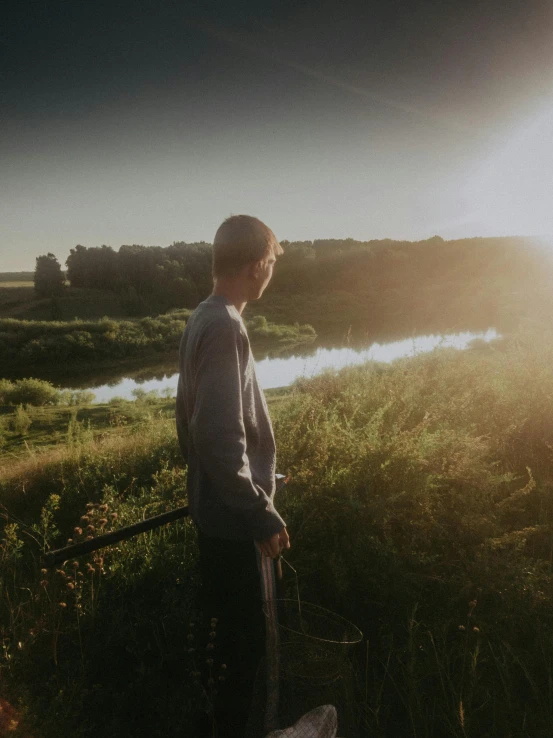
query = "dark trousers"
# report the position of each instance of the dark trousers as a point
(231, 592)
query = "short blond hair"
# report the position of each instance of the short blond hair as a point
(241, 240)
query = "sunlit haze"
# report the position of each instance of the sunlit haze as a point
(150, 126)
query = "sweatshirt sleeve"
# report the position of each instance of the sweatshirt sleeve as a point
(218, 433)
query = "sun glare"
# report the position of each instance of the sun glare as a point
(512, 192)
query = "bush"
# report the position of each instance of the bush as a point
(76, 397)
(3, 430)
(30, 392)
(21, 421)
(147, 397)
(5, 388)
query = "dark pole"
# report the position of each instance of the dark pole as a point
(52, 558)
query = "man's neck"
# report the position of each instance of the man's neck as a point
(232, 291)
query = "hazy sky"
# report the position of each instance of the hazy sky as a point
(150, 122)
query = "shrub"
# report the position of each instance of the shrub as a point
(21, 421)
(76, 397)
(144, 396)
(5, 388)
(3, 430)
(31, 392)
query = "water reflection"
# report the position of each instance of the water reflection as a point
(281, 371)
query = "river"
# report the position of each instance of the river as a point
(281, 372)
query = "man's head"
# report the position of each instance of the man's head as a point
(245, 250)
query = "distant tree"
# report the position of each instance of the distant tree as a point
(49, 279)
(92, 267)
(76, 266)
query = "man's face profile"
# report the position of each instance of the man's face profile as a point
(262, 273)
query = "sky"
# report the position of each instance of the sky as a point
(150, 122)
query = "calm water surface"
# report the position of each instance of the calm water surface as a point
(280, 372)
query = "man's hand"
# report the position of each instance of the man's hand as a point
(275, 544)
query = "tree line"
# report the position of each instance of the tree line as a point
(360, 280)
(176, 276)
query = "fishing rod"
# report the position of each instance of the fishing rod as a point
(53, 558)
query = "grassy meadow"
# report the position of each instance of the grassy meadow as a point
(419, 507)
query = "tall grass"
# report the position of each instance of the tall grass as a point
(420, 508)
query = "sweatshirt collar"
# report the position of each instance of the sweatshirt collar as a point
(219, 298)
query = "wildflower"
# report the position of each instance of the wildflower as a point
(113, 516)
(210, 647)
(78, 531)
(91, 528)
(223, 666)
(44, 571)
(70, 585)
(69, 541)
(89, 538)
(61, 573)
(214, 622)
(63, 604)
(476, 630)
(212, 634)
(44, 583)
(209, 661)
(103, 508)
(462, 627)
(75, 565)
(80, 574)
(89, 505)
(221, 678)
(85, 519)
(102, 522)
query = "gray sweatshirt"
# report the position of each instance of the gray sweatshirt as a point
(224, 429)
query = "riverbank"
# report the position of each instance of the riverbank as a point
(419, 508)
(42, 347)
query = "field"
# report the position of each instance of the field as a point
(11, 285)
(419, 508)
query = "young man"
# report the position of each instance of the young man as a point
(226, 437)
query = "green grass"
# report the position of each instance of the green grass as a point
(51, 426)
(420, 508)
